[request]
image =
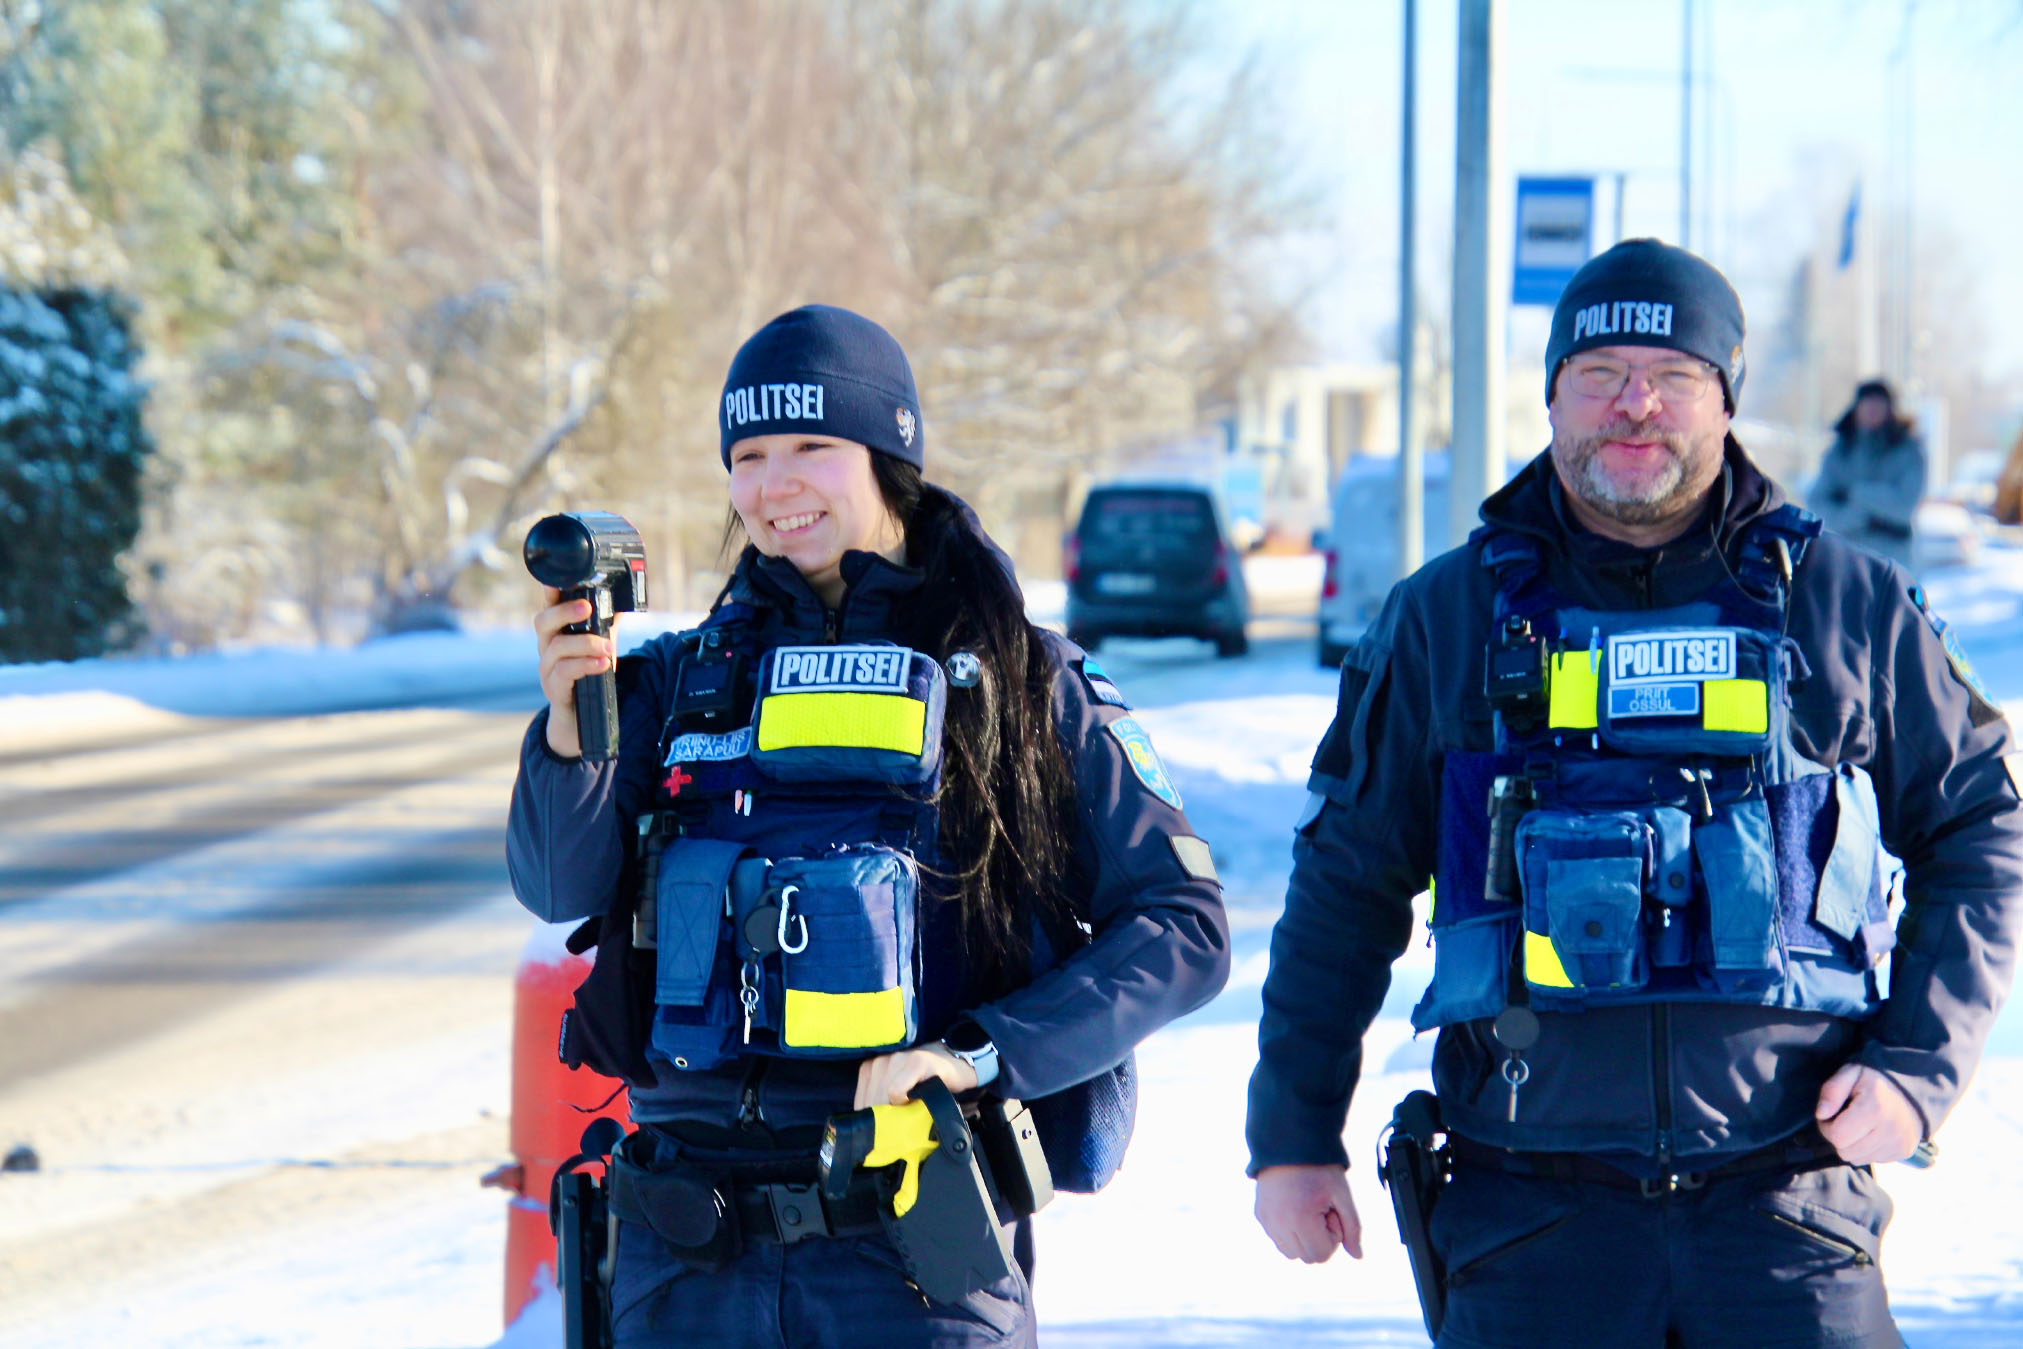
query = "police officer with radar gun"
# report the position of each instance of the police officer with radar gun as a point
(1644, 737)
(884, 882)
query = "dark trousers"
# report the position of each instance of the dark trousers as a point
(1768, 1261)
(833, 1293)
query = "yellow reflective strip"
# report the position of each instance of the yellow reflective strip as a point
(1576, 690)
(842, 721)
(902, 1133)
(1736, 705)
(1541, 962)
(845, 1020)
(1432, 898)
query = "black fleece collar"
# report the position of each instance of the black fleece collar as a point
(873, 588)
(1673, 572)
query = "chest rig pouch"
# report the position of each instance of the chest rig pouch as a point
(1645, 829)
(783, 873)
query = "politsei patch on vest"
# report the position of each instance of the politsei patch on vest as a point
(1144, 760)
(1671, 656)
(839, 669)
(698, 747)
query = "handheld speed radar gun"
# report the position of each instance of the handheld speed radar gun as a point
(597, 556)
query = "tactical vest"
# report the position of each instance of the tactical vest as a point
(1645, 829)
(778, 885)
(781, 867)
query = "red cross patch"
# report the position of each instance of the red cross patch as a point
(676, 781)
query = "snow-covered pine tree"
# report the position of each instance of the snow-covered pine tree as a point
(72, 449)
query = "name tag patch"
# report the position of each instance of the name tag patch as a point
(839, 669)
(1144, 760)
(696, 747)
(1646, 658)
(1655, 700)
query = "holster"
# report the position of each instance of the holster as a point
(1414, 1169)
(579, 1216)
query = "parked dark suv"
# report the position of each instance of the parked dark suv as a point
(1154, 560)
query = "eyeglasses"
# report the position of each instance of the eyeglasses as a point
(1675, 381)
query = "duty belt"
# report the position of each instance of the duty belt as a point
(1803, 1151)
(783, 1211)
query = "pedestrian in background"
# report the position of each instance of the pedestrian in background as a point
(1666, 1061)
(1873, 474)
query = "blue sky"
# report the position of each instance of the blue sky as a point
(1799, 104)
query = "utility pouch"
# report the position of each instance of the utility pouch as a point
(848, 951)
(610, 1017)
(695, 1008)
(849, 714)
(1670, 938)
(1583, 877)
(1021, 1182)
(1737, 862)
(688, 1209)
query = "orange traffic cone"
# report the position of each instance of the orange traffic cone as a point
(552, 1105)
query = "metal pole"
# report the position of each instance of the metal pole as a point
(1481, 268)
(1686, 130)
(1411, 454)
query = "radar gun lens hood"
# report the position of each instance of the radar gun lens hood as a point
(595, 556)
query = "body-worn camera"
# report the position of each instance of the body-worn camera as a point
(598, 556)
(1516, 675)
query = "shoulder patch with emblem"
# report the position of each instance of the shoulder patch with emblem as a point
(1982, 707)
(1144, 760)
(1101, 687)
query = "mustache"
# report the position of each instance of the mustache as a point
(1623, 429)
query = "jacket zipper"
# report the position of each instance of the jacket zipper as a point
(1661, 1077)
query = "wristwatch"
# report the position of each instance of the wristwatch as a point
(967, 1041)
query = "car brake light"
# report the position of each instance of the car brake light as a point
(1330, 587)
(1221, 563)
(1071, 559)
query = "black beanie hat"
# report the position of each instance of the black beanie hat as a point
(820, 370)
(1643, 293)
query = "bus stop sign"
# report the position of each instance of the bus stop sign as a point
(1555, 227)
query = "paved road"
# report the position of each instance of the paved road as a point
(150, 881)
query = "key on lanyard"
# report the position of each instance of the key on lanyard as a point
(748, 995)
(1516, 1029)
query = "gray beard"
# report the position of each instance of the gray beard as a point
(1658, 500)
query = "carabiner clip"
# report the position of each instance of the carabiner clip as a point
(788, 915)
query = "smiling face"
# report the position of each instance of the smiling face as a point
(810, 499)
(1637, 464)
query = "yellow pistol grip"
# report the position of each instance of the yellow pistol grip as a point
(902, 1133)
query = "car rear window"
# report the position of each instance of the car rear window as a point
(1118, 516)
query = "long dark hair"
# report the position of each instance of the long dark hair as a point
(1007, 796)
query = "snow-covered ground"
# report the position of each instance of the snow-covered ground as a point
(411, 1100)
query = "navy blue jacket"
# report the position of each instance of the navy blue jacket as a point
(1160, 940)
(1643, 1082)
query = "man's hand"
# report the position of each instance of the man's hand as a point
(888, 1078)
(1307, 1212)
(1867, 1117)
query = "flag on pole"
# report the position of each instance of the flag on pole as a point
(1848, 222)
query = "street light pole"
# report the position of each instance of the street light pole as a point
(1481, 271)
(1411, 454)
(1686, 129)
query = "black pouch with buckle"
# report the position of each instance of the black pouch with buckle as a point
(688, 1209)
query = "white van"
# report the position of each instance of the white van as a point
(1362, 546)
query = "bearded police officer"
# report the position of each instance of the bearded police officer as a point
(1647, 734)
